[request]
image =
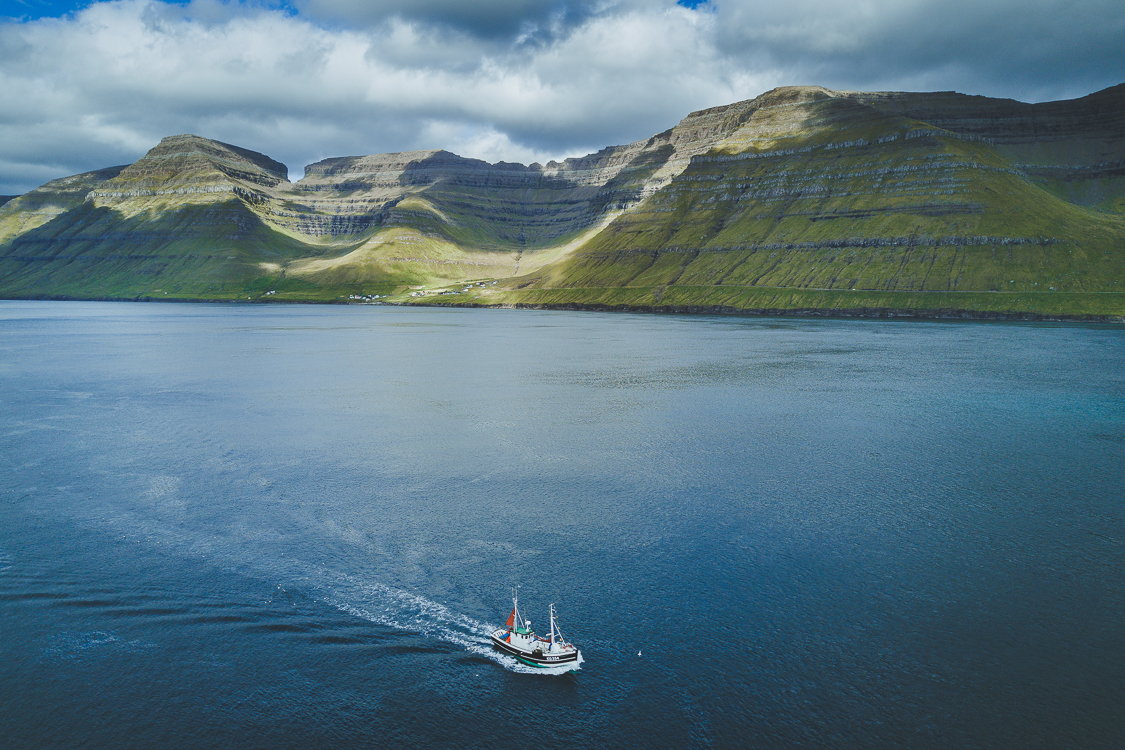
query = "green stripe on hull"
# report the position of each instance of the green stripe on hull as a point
(530, 663)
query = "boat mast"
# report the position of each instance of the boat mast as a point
(552, 625)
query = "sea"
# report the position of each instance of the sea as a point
(294, 526)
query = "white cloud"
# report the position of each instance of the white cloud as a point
(102, 85)
(489, 144)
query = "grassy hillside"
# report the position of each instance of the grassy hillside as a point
(803, 200)
(833, 197)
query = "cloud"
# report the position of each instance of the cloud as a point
(1028, 49)
(489, 144)
(514, 80)
(488, 19)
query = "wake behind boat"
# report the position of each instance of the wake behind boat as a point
(517, 639)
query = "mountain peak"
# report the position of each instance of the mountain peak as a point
(187, 151)
(188, 163)
(795, 95)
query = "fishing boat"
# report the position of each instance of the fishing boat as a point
(517, 639)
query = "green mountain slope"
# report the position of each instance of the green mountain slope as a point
(179, 221)
(802, 199)
(826, 202)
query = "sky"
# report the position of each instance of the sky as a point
(85, 85)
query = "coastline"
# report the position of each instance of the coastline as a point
(868, 313)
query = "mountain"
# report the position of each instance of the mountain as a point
(801, 200)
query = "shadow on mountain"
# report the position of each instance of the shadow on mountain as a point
(507, 207)
(97, 251)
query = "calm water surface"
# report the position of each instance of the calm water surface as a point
(293, 527)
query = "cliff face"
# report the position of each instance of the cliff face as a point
(1075, 148)
(508, 206)
(802, 198)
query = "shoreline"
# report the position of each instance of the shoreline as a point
(872, 313)
(863, 313)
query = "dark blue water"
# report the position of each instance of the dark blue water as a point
(293, 526)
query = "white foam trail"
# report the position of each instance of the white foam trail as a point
(371, 601)
(402, 610)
